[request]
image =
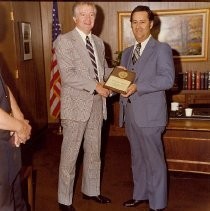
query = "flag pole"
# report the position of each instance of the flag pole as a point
(60, 129)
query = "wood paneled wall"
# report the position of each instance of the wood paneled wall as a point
(31, 80)
(107, 27)
(8, 59)
(25, 78)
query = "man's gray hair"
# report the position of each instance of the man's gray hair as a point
(77, 4)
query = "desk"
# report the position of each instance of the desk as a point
(187, 145)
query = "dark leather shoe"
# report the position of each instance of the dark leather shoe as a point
(156, 209)
(66, 207)
(100, 199)
(133, 203)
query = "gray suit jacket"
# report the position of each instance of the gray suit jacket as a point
(77, 75)
(154, 74)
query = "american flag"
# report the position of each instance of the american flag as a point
(55, 81)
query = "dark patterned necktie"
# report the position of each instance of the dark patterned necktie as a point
(136, 53)
(92, 56)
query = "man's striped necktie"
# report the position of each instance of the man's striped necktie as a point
(136, 53)
(92, 56)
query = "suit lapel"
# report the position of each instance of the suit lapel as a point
(148, 49)
(79, 44)
(99, 54)
(147, 53)
(128, 61)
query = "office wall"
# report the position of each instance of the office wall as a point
(26, 78)
(108, 27)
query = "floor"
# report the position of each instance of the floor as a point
(187, 192)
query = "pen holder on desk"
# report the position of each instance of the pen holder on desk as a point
(180, 111)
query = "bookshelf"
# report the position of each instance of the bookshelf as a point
(194, 80)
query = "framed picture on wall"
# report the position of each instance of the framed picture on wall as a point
(25, 39)
(186, 31)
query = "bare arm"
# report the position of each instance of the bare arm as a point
(16, 112)
(7, 122)
(15, 122)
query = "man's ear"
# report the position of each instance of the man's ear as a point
(151, 24)
(74, 19)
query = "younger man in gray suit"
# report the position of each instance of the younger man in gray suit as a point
(144, 110)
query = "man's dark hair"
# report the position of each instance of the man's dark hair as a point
(143, 8)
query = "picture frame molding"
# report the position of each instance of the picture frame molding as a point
(25, 40)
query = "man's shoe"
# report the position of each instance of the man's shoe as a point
(133, 203)
(66, 207)
(100, 199)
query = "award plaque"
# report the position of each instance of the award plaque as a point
(119, 80)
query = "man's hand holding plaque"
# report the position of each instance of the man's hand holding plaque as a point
(119, 80)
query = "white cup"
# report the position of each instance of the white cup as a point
(174, 106)
(188, 111)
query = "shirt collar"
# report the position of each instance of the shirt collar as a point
(143, 44)
(83, 35)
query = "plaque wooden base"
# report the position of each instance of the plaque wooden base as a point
(119, 80)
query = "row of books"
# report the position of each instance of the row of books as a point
(195, 80)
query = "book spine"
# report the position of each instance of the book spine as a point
(193, 75)
(202, 81)
(185, 82)
(198, 81)
(206, 77)
(189, 80)
(209, 80)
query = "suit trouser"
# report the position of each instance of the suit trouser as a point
(10, 186)
(11, 197)
(148, 162)
(73, 134)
